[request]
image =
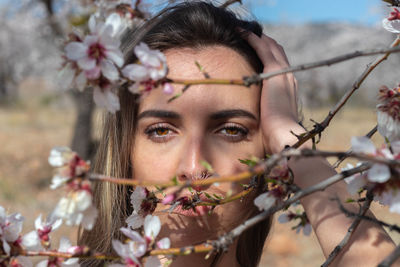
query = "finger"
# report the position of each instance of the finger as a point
(261, 46)
(276, 49)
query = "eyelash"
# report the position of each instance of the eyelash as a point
(241, 134)
(151, 132)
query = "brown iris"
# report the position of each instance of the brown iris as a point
(162, 131)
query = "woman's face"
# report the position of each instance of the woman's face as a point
(218, 124)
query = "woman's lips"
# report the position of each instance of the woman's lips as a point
(192, 212)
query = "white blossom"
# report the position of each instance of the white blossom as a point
(153, 261)
(390, 198)
(10, 228)
(379, 173)
(265, 201)
(392, 24)
(152, 66)
(307, 229)
(65, 247)
(152, 226)
(354, 182)
(164, 243)
(388, 126)
(105, 98)
(33, 240)
(136, 219)
(77, 208)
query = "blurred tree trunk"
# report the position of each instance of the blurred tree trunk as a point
(82, 141)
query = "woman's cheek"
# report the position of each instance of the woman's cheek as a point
(153, 162)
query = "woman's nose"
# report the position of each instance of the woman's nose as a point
(191, 165)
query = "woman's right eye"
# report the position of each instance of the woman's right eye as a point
(159, 133)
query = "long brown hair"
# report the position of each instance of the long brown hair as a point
(194, 24)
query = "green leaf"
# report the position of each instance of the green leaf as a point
(207, 166)
(217, 197)
(350, 200)
(175, 180)
(208, 195)
(253, 161)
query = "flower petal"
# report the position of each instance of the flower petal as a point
(362, 144)
(152, 226)
(135, 72)
(135, 220)
(164, 243)
(116, 56)
(152, 261)
(106, 99)
(265, 201)
(75, 50)
(391, 25)
(379, 173)
(87, 63)
(109, 70)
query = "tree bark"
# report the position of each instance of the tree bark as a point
(82, 141)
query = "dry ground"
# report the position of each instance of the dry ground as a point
(28, 133)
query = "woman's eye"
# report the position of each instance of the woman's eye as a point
(162, 131)
(159, 133)
(234, 133)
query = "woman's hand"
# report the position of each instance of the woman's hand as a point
(278, 97)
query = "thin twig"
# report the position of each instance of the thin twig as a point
(228, 238)
(392, 227)
(389, 260)
(230, 2)
(247, 81)
(263, 167)
(341, 159)
(320, 127)
(350, 231)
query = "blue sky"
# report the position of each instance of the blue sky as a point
(297, 11)
(368, 12)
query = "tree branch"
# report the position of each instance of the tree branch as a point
(392, 227)
(224, 241)
(350, 231)
(389, 260)
(247, 81)
(230, 2)
(320, 127)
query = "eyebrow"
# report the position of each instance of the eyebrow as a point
(232, 113)
(223, 114)
(159, 114)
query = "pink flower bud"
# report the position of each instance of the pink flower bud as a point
(168, 88)
(168, 199)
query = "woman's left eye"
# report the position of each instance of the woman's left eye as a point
(159, 133)
(233, 132)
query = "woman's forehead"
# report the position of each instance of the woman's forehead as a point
(218, 62)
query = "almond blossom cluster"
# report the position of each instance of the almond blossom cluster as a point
(392, 23)
(10, 238)
(144, 203)
(279, 176)
(76, 208)
(96, 60)
(39, 239)
(388, 112)
(303, 225)
(132, 250)
(381, 178)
